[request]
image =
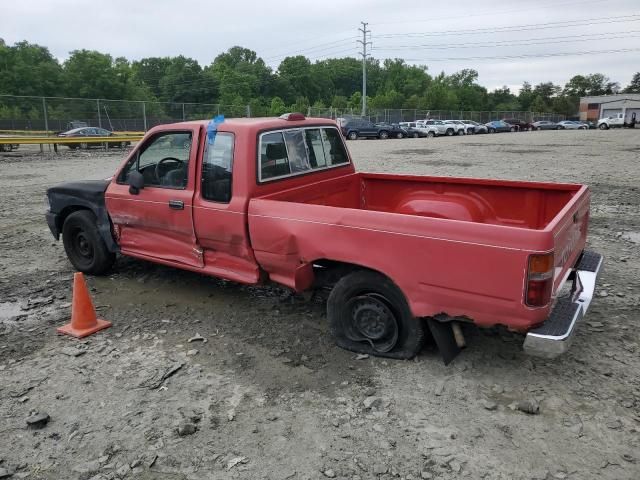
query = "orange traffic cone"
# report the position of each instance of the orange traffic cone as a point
(84, 321)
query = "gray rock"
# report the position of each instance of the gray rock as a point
(424, 475)
(72, 351)
(372, 402)
(380, 469)
(87, 468)
(329, 473)
(38, 420)
(186, 428)
(489, 405)
(4, 473)
(531, 406)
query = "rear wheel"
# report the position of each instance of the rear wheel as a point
(416, 135)
(399, 135)
(368, 313)
(84, 146)
(492, 130)
(512, 129)
(353, 135)
(450, 132)
(383, 135)
(430, 134)
(83, 244)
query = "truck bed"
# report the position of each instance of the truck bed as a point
(476, 234)
(515, 204)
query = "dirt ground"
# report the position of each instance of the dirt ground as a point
(264, 394)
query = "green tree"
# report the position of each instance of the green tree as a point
(634, 86)
(29, 69)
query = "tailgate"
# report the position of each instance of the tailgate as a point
(569, 230)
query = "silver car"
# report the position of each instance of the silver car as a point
(474, 127)
(571, 125)
(544, 125)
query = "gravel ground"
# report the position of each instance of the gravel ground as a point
(262, 392)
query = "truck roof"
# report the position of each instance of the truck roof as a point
(255, 123)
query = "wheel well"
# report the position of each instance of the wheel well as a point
(66, 212)
(328, 272)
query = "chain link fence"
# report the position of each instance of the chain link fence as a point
(56, 114)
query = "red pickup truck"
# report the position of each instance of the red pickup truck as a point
(255, 200)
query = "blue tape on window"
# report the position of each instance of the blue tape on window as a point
(212, 128)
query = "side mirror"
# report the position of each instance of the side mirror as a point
(136, 182)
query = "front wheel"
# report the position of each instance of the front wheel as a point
(603, 126)
(83, 244)
(368, 313)
(430, 134)
(492, 130)
(512, 129)
(416, 135)
(450, 132)
(399, 135)
(383, 135)
(353, 135)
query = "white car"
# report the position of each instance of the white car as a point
(460, 128)
(474, 127)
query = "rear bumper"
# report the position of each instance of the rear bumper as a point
(554, 336)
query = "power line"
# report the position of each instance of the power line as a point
(508, 43)
(533, 26)
(293, 53)
(536, 55)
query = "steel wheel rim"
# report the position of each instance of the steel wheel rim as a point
(82, 245)
(369, 319)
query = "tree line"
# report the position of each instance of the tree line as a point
(239, 77)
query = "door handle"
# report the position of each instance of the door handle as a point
(176, 204)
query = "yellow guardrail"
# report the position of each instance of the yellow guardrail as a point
(68, 140)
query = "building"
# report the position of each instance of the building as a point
(594, 108)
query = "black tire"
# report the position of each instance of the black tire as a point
(603, 126)
(383, 135)
(512, 129)
(430, 134)
(416, 135)
(399, 135)
(352, 136)
(450, 132)
(368, 313)
(83, 244)
(492, 130)
(84, 146)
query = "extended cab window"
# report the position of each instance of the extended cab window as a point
(163, 161)
(216, 168)
(295, 151)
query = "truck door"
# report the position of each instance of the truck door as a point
(157, 221)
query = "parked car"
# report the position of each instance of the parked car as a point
(422, 130)
(401, 255)
(544, 125)
(357, 128)
(499, 126)
(88, 132)
(459, 127)
(441, 127)
(474, 127)
(395, 130)
(571, 125)
(521, 125)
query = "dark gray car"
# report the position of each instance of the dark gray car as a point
(544, 125)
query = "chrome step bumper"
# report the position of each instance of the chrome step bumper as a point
(554, 336)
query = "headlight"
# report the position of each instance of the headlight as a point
(47, 205)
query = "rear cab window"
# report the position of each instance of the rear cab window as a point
(298, 151)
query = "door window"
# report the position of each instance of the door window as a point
(163, 161)
(217, 167)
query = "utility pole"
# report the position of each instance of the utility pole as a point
(364, 44)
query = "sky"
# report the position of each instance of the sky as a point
(575, 37)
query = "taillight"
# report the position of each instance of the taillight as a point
(539, 280)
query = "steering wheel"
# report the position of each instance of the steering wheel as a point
(156, 172)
